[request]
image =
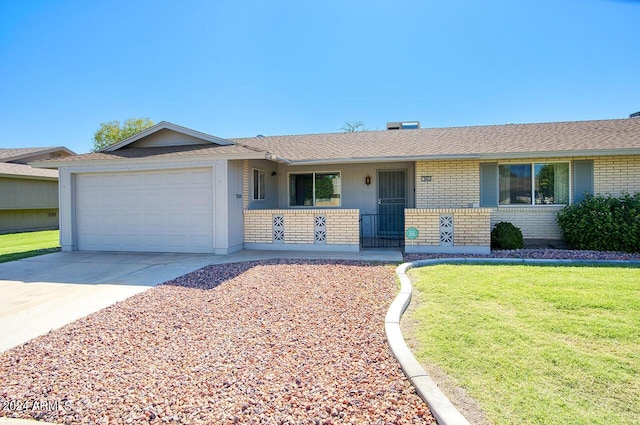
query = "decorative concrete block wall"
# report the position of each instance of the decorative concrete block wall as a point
(302, 229)
(449, 230)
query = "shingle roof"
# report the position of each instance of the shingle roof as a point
(24, 155)
(161, 152)
(7, 153)
(576, 136)
(495, 141)
(8, 169)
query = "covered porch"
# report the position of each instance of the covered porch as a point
(351, 207)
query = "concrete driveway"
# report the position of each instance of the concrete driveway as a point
(47, 292)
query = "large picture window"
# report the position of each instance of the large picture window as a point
(534, 184)
(314, 189)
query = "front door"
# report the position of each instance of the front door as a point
(392, 198)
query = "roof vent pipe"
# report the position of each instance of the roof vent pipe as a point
(403, 125)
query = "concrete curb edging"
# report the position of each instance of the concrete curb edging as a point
(442, 409)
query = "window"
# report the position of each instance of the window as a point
(534, 184)
(314, 189)
(258, 184)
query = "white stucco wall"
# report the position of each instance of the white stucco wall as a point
(355, 193)
(271, 182)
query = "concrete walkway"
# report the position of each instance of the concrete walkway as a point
(49, 291)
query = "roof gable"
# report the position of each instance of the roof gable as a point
(166, 134)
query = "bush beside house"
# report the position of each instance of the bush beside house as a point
(602, 223)
(506, 236)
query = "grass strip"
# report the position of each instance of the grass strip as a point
(15, 246)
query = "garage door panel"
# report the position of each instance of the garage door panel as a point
(161, 211)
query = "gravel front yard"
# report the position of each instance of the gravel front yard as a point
(542, 254)
(273, 342)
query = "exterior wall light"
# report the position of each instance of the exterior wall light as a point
(367, 180)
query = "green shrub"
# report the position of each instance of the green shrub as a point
(506, 236)
(602, 223)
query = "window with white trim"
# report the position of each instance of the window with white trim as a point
(534, 183)
(314, 189)
(258, 184)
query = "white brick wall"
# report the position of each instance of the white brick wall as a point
(537, 222)
(471, 226)
(343, 226)
(616, 174)
(245, 184)
(456, 184)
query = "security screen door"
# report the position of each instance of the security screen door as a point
(392, 197)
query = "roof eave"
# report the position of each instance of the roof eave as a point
(42, 152)
(186, 158)
(379, 159)
(278, 159)
(496, 156)
(28, 177)
(562, 154)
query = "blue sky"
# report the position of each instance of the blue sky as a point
(242, 68)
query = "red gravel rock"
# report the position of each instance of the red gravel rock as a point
(271, 342)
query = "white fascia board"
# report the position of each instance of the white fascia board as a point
(275, 158)
(18, 176)
(496, 156)
(42, 152)
(164, 125)
(378, 159)
(46, 164)
(562, 154)
(146, 160)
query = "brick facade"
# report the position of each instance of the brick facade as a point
(616, 174)
(245, 184)
(537, 222)
(453, 184)
(442, 187)
(456, 184)
(342, 226)
(471, 229)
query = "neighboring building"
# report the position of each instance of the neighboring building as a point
(173, 189)
(28, 196)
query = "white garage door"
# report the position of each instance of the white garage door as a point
(154, 211)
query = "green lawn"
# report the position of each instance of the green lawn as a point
(15, 246)
(534, 345)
